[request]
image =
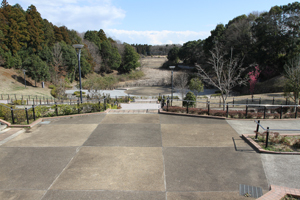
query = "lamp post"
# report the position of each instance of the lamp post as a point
(24, 71)
(172, 67)
(78, 48)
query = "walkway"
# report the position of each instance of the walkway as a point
(129, 157)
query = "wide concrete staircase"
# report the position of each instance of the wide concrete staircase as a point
(139, 106)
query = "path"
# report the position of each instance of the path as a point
(129, 157)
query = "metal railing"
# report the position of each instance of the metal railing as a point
(268, 131)
(27, 114)
(279, 111)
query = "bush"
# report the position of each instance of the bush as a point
(19, 102)
(20, 116)
(221, 113)
(189, 97)
(51, 86)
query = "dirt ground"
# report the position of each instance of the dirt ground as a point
(12, 82)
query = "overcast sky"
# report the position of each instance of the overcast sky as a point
(147, 22)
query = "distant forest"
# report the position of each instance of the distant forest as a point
(45, 50)
(266, 40)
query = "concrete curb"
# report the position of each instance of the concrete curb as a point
(258, 148)
(160, 111)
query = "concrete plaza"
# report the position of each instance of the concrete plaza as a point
(137, 156)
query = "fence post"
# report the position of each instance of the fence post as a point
(104, 103)
(281, 112)
(247, 101)
(26, 111)
(187, 107)
(265, 108)
(227, 110)
(296, 111)
(273, 101)
(233, 102)
(33, 101)
(286, 101)
(208, 107)
(70, 102)
(267, 138)
(27, 102)
(33, 112)
(100, 105)
(56, 109)
(12, 115)
(168, 105)
(78, 106)
(257, 129)
(246, 111)
(259, 100)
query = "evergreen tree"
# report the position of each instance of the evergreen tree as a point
(35, 28)
(130, 59)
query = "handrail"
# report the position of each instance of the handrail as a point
(275, 129)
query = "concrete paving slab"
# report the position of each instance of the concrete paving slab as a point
(206, 195)
(131, 119)
(53, 136)
(32, 168)
(22, 194)
(86, 119)
(173, 119)
(197, 135)
(282, 170)
(134, 135)
(211, 169)
(102, 195)
(114, 168)
(249, 126)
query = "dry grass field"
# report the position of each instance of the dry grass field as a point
(12, 82)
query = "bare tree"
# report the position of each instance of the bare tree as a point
(225, 73)
(58, 63)
(94, 50)
(181, 83)
(292, 73)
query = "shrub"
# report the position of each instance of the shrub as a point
(176, 109)
(41, 111)
(189, 97)
(51, 86)
(203, 112)
(221, 113)
(20, 116)
(19, 102)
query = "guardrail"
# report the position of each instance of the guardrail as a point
(268, 131)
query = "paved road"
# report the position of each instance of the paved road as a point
(281, 170)
(129, 157)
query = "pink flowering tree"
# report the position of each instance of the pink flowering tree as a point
(253, 77)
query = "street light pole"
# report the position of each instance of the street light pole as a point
(172, 67)
(78, 48)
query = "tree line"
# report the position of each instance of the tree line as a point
(45, 50)
(266, 39)
(152, 50)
